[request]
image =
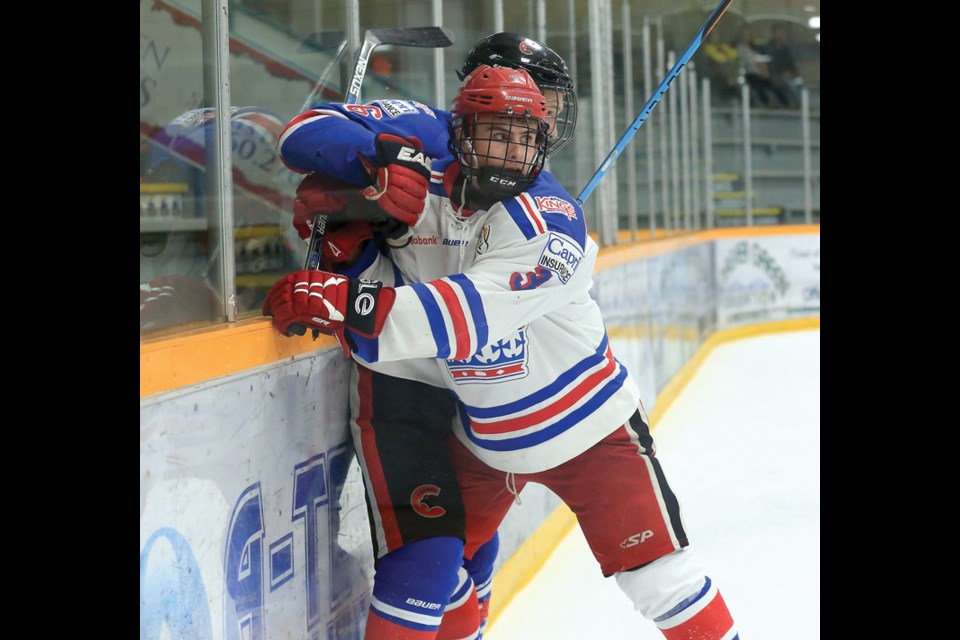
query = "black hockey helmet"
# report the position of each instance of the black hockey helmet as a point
(546, 68)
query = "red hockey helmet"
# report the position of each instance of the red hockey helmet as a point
(507, 157)
(511, 92)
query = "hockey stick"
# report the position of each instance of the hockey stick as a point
(430, 37)
(653, 101)
(322, 80)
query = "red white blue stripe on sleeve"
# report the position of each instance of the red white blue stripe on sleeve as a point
(548, 412)
(455, 314)
(526, 215)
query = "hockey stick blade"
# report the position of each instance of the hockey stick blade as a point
(653, 101)
(430, 37)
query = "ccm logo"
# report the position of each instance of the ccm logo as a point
(637, 538)
(505, 181)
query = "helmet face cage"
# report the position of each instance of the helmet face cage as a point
(505, 153)
(562, 115)
(546, 68)
(500, 130)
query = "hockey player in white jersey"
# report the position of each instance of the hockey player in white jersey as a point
(402, 418)
(522, 344)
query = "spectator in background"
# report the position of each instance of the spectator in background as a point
(401, 414)
(783, 68)
(720, 60)
(755, 69)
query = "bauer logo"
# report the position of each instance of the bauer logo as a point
(562, 256)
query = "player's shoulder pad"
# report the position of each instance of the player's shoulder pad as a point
(383, 109)
(390, 108)
(408, 118)
(386, 110)
(546, 206)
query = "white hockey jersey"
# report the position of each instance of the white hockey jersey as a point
(513, 332)
(516, 334)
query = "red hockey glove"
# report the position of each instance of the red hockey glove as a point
(401, 175)
(318, 193)
(343, 244)
(328, 302)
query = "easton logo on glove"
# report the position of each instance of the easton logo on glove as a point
(401, 177)
(408, 154)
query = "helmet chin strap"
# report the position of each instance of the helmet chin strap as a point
(474, 162)
(467, 196)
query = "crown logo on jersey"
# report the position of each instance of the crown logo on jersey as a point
(505, 360)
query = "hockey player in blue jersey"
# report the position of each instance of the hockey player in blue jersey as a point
(407, 413)
(499, 300)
